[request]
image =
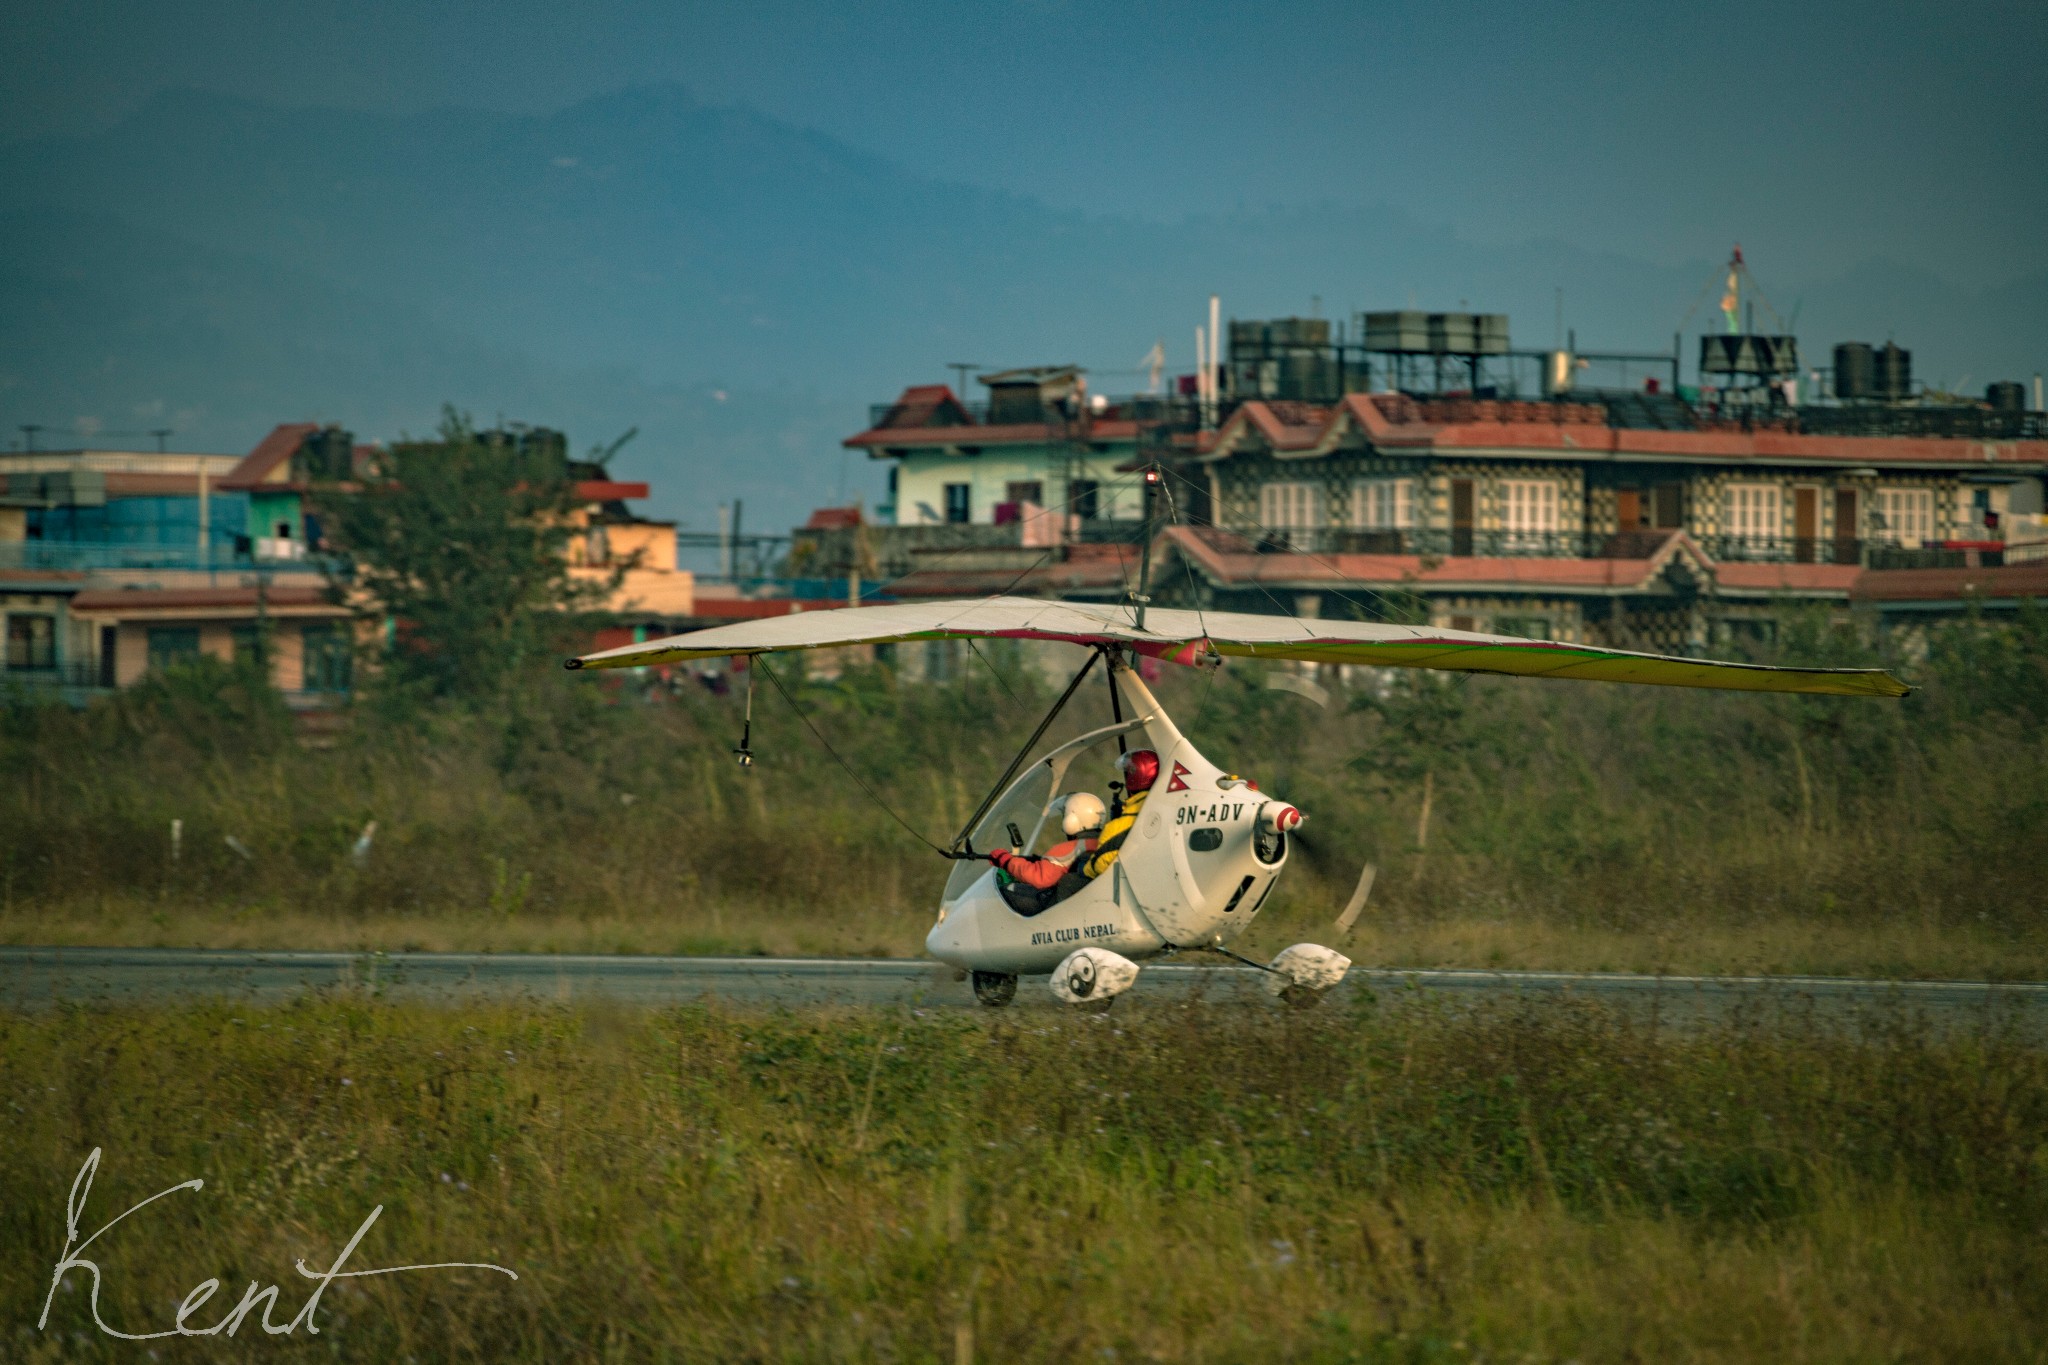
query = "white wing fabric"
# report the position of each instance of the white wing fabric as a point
(1184, 636)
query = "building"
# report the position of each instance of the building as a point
(1546, 518)
(278, 478)
(114, 563)
(1655, 516)
(1040, 441)
(112, 560)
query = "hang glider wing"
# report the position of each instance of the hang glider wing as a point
(1184, 636)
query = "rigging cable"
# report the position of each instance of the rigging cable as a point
(1000, 681)
(1003, 782)
(760, 661)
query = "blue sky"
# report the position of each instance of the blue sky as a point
(1815, 134)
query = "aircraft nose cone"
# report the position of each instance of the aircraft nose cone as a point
(944, 940)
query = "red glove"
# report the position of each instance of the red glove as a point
(1037, 872)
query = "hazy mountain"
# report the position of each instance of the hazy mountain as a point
(215, 265)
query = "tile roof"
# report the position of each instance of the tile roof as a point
(292, 600)
(1085, 569)
(275, 449)
(1245, 566)
(1811, 579)
(1395, 422)
(609, 490)
(1951, 585)
(1240, 565)
(925, 405)
(755, 608)
(124, 485)
(1101, 429)
(833, 519)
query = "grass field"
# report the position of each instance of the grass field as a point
(1568, 825)
(1188, 1183)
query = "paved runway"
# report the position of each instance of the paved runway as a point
(32, 977)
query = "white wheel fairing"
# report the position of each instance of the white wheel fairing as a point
(1089, 976)
(1306, 967)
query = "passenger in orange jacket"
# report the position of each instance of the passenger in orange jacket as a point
(1081, 816)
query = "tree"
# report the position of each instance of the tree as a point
(459, 553)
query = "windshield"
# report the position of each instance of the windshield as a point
(1024, 804)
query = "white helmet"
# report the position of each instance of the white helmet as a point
(1083, 813)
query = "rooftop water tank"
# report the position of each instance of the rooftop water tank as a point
(1855, 370)
(2006, 396)
(1893, 373)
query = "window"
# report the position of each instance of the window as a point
(31, 641)
(959, 503)
(1905, 515)
(1032, 491)
(1667, 503)
(1082, 500)
(169, 645)
(327, 659)
(1752, 512)
(1528, 510)
(1383, 504)
(1290, 506)
(1526, 627)
(248, 645)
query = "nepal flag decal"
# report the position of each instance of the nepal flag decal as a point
(1180, 776)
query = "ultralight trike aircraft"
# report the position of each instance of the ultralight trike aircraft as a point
(1207, 845)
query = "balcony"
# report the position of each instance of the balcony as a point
(70, 675)
(1942, 557)
(88, 556)
(1448, 543)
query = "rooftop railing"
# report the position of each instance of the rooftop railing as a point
(71, 673)
(1626, 408)
(87, 556)
(1170, 408)
(1459, 542)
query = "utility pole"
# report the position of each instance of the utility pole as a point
(28, 431)
(1143, 596)
(960, 369)
(162, 434)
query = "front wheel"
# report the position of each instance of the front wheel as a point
(994, 989)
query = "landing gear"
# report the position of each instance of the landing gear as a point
(1301, 974)
(995, 989)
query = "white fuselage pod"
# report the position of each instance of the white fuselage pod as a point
(1193, 871)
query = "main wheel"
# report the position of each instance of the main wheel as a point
(994, 989)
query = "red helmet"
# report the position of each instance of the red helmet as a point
(1140, 769)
